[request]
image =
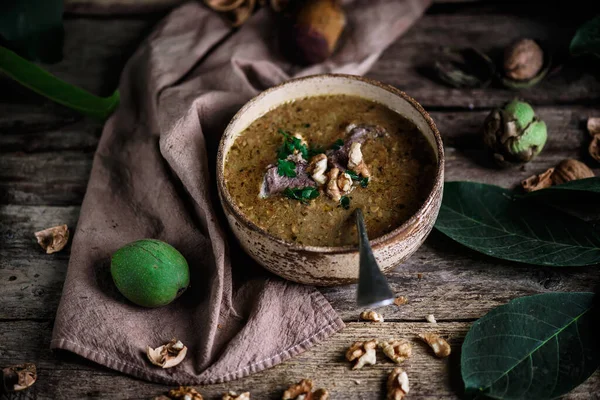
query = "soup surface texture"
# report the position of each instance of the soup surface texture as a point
(401, 164)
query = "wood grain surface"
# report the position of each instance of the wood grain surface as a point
(46, 154)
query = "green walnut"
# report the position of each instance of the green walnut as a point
(513, 134)
(150, 273)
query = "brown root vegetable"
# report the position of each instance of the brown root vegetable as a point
(318, 26)
(523, 60)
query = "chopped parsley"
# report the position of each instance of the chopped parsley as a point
(290, 144)
(337, 144)
(364, 182)
(286, 168)
(301, 194)
(345, 202)
(313, 151)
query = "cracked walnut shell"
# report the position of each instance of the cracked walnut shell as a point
(440, 347)
(234, 396)
(537, 182)
(167, 355)
(362, 353)
(397, 350)
(53, 239)
(570, 170)
(18, 377)
(397, 384)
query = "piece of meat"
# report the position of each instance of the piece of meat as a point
(354, 133)
(274, 183)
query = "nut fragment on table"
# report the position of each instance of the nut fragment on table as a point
(537, 182)
(234, 396)
(185, 393)
(593, 125)
(18, 377)
(53, 239)
(362, 353)
(303, 391)
(431, 319)
(440, 347)
(400, 300)
(396, 350)
(397, 384)
(594, 147)
(371, 315)
(570, 170)
(167, 355)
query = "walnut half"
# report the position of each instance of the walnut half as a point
(167, 355)
(234, 396)
(18, 377)
(356, 162)
(185, 393)
(317, 168)
(303, 391)
(370, 315)
(397, 350)
(440, 347)
(397, 384)
(362, 353)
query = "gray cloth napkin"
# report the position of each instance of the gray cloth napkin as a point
(153, 177)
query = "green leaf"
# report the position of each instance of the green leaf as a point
(345, 202)
(301, 194)
(588, 185)
(46, 84)
(286, 168)
(533, 348)
(364, 182)
(337, 144)
(313, 151)
(498, 223)
(587, 38)
(309, 193)
(291, 144)
(33, 28)
(352, 174)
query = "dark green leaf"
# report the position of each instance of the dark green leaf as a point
(352, 174)
(587, 38)
(33, 28)
(301, 194)
(286, 168)
(364, 182)
(345, 202)
(46, 84)
(533, 348)
(498, 223)
(588, 185)
(337, 144)
(313, 151)
(291, 144)
(309, 193)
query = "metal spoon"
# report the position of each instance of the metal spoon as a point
(373, 288)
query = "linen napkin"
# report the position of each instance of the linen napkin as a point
(153, 177)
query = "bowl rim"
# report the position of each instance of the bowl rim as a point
(378, 242)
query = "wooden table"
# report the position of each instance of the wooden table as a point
(46, 155)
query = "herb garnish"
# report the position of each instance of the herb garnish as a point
(290, 144)
(364, 182)
(337, 144)
(313, 151)
(286, 168)
(301, 194)
(345, 202)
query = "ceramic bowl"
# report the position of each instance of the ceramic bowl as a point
(327, 266)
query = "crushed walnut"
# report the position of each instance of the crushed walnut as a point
(362, 353)
(167, 355)
(303, 391)
(185, 393)
(431, 319)
(370, 315)
(400, 300)
(396, 350)
(397, 384)
(234, 396)
(440, 347)
(356, 162)
(317, 168)
(53, 239)
(332, 187)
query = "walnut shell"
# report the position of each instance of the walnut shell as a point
(594, 147)
(523, 60)
(570, 170)
(537, 182)
(593, 126)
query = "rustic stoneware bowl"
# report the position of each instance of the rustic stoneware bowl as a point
(326, 266)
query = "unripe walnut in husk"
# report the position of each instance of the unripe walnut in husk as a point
(523, 60)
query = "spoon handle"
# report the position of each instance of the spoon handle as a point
(373, 288)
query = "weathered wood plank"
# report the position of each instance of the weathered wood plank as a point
(455, 283)
(65, 377)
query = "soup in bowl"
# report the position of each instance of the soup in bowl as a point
(297, 161)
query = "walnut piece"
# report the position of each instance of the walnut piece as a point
(302, 141)
(303, 391)
(440, 347)
(593, 125)
(344, 182)
(53, 239)
(185, 393)
(400, 300)
(397, 350)
(570, 170)
(362, 353)
(317, 168)
(431, 319)
(397, 384)
(167, 355)
(234, 396)
(594, 148)
(18, 377)
(537, 182)
(370, 315)
(333, 190)
(356, 162)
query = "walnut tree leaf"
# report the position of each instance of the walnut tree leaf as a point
(533, 348)
(587, 38)
(496, 222)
